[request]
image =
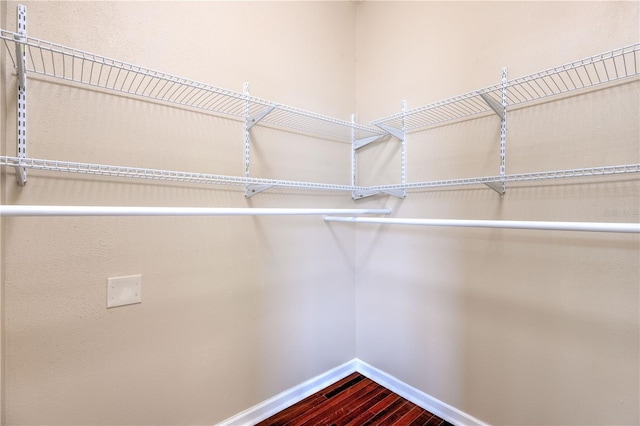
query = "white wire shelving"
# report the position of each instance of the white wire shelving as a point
(618, 64)
(516, 177)
(78, 66)
(160, 174)
(207, 178)
(55, 61)
(612, 67)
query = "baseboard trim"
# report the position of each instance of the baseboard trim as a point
(421, 399)
(266, 409)
(285, 399)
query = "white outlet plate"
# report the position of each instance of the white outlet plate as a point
(124, 290)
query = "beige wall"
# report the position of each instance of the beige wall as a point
(234, 310)
(2, 176)
(512, 327)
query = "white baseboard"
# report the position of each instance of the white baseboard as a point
(421, 399)
(266, 409)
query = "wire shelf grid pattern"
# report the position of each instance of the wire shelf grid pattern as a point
(207, 178)
(58, 61)
(160, 174)
(599, 69)
(518, 177)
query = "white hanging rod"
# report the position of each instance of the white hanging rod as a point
(20, 210)
(508, 224)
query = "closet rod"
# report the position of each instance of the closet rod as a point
(24, 210)
(509, 224)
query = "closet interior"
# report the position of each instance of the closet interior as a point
(285, 300)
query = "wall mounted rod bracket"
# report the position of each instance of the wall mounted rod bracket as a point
(21, 62)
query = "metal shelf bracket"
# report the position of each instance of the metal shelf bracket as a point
(360, 194)
(21, 62)
(258, 116)
(255, 189)
(366, 141)
(496, 186)
(493, 104)
(397, 133)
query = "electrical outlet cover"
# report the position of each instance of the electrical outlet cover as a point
(124, 290)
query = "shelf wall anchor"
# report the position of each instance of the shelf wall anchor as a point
(21, 60)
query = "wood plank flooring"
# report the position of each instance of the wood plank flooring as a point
(355, 400)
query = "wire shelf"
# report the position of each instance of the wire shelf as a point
(206, 178)
(160, 174)
(599, 69)
(66, 63)
(69, 64)
(516, 177)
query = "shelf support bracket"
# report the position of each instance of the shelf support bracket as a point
(400, 193)
(493, 104)
(251, 190)
(358, 195)
(400, 134)
(21, 59)
(258, 116)
(397, 133)
(496, 186)
(359, 143)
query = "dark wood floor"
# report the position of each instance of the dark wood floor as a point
(354, 400)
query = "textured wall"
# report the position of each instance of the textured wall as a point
(512, 327)
(234, 310)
